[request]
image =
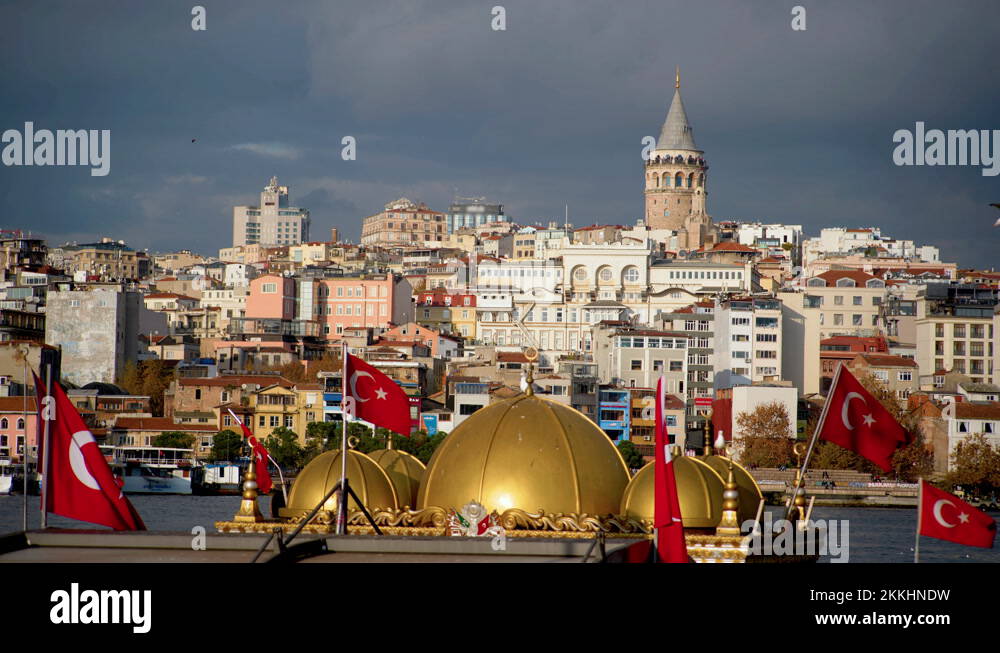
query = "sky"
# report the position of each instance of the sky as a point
(797, 126)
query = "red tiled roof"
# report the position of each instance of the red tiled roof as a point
(16, 404)
(886, 360)
(966, 410)
(729, 246)
(833, 276)
(511, 357)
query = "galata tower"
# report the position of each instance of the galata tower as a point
(677, 182)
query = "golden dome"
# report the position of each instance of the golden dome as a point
(750, 494)
(367, 479)
(405, 471)
(530, 453)
(698, 486)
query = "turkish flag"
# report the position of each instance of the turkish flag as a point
(670, 544)
(856, 420)
(946, 517)
(79, 483)
(260, 455)
(377, 398)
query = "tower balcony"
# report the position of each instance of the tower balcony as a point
(677, 160)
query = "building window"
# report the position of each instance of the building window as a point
(636, 365)
(269, 288)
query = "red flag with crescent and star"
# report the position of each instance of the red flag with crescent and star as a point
(260, 455)
(946, 517)
(79, 483)
(670, 544)
(856, 420)
(377, 398)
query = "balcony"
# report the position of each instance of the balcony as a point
(239, 326)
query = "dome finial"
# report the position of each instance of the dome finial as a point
(708, 434)
(532, 355)
(677, 79)
(730, 523)
(249, 512)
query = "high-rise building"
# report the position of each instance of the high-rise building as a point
(272, 222)
(676, 181)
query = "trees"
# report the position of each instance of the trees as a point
(633, 459)
(975, 466)
(175, 439)
(283, 445)
(150, 378)
(226, 445)
(764, 440)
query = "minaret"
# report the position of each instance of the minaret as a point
(676, 179)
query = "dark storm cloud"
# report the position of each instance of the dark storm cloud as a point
(797, 126)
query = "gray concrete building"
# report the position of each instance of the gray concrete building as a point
(98, 331)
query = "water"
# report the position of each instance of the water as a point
(876, 534)
(165, 512)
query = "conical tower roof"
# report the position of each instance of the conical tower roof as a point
(677, 133)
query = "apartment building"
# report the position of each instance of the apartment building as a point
(899, 375)
(957, 330)
(636, 358)
(850, 302)
(403, 223)
(748, 343)
(107, 260)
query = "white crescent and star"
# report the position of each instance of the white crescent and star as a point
(77, 461)
(869, 419)
(379, 392)
(962, 517)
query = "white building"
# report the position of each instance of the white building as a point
(839, 241)
(748, 343)
(272, 222)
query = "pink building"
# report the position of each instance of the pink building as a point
(377, 301)
(272, 296)
(15, 423)
(441, 345)
(361, 301)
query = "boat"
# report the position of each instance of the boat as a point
(220, 478)
(152, 470)
(6, 475)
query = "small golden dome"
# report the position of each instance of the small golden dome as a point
(698, 486)
(405, 471)
(526, 452)
(750, 494)
(367, 479)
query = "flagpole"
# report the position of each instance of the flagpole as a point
(920, 512)
(800, 481)
(46, 412)
(281, 475)
(24, 452)
(342, 512)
